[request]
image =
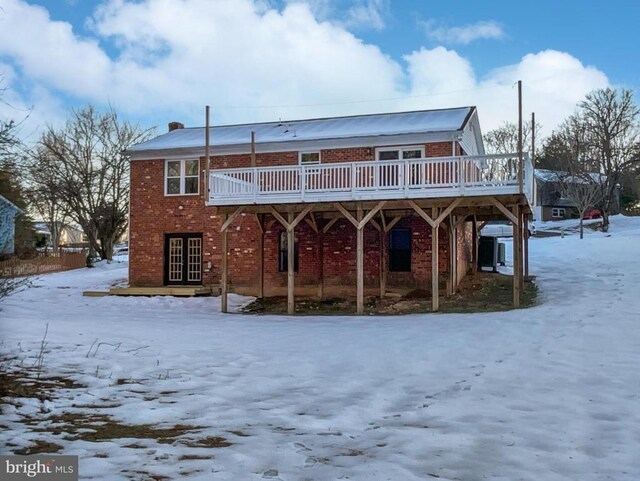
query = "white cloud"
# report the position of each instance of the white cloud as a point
(360, 15)
(367, 14)
(175, 56)
(463, 35)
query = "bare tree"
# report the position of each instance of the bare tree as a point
(8, 144)
(84, 167)
(584, 189)
(45, 202)
(610, 120)
(504, 140)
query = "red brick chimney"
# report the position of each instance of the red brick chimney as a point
(175, 126)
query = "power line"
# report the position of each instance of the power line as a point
(350, 102)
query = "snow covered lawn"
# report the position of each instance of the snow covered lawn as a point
(547, 393)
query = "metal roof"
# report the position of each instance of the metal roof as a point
(416, 122)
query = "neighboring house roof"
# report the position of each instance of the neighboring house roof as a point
(42, 227)
(4, 200)
(444, 124)
(546, 175)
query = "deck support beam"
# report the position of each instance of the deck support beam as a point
(474, 244)
(359, 263)
(320, 238)
(291, 301)
(227, 220)
(453, 255)
(223, 275)
(517, 259)
(526, 246)
(383, 262)
(290, 224)
(359, 222)
(434, 222)
(512, 216)
(435, 230)
(260, 221)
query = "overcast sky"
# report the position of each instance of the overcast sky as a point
(256, 60)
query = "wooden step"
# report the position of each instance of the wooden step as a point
(179, 291)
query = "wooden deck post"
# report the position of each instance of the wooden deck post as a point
(474, 245)
(383, 262)
(435, 230)
(452, 230)
(321, 263)
(359, 262)
(291, 302)
(517, 262)
(521, 247)
(260, 220)
(526, 247)
(359, 223)
(224, 262)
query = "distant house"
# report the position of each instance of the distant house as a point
(8, 213)
(550, 204)
(69, 235)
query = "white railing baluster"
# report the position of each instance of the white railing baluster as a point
(410, 178)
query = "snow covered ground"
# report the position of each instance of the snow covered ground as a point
(547, 393)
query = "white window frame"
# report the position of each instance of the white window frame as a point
(558, 212)
(183, 164)
(309, 152)
(399, 149)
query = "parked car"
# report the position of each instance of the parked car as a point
(503, 228)
(497, 228)
(592, 214)
(121, 249)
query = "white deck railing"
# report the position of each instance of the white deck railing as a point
(397, 179)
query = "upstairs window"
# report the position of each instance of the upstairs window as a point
(309, 158)
(400, 153)
(400, 250)
(182, 177)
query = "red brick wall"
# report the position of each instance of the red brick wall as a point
(153, 214)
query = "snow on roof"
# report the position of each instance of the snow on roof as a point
(423, 121)
(546, 175)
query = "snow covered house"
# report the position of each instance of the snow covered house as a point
(8, 213)
(550, 204)
(359, 205)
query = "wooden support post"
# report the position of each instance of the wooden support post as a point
(223, 275)
(474, 244)
(517, 263)
(260, 221)
(526, 247)
(291, 305)
(360, 262)
(435, 300)
(384, 238)
(521, 247)
(320, 237)
(454, 254)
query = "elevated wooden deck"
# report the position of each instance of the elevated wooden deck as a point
(427, 178)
